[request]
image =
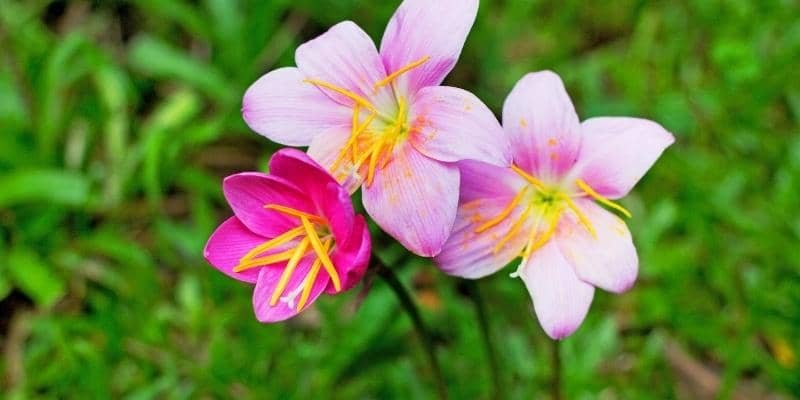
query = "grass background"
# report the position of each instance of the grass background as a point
(118, 120)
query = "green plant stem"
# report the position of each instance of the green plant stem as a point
(556, 384)
(413, 312)
(483, 323)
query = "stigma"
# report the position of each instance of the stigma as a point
(311, 235)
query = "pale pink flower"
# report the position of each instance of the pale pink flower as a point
(546, 208)
(381, 119)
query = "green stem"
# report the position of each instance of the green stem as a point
(413, 312)
(556, 384)
(483, 323)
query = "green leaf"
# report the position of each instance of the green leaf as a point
(34, 277)
(43, 186)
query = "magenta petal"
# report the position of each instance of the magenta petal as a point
(542, 124)
(451, 124)
(618, 151)
(285, 308)
(248, 193)
(608, 261)
(424, 28)
(345, 56)
(484, 181)
(560, 299)
(325, 150)
(286, 110)
(337, 208)
(298, 168)
(472, 255)
(351, 256)
(414, 199)
(228, 244)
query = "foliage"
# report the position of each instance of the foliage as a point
(119, 119)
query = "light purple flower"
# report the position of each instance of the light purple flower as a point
(545, 209)
(380, 118)
(294, 236)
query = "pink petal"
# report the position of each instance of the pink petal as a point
(617, 152)
(286, 110)
(351, 256)
(472, 255)
(484, 181)
(325, 150)
(285, 308)
(414, 199)
(451, 124)
(542, 124)
(248, 193)
(608, 261)
(304, 173)
(345, 56)
(337, 208)
(424, 28)
(560, 299)
(228, 244)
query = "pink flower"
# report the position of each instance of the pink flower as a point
(294, 235)
(382, 120)
(545, 209)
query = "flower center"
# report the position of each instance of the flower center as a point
(374, 134)
(314, 235)
(545, 204)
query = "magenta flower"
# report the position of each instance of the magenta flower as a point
(382, 120)
(294, 235)
(544, 207)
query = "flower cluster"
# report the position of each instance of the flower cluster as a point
(438, 172)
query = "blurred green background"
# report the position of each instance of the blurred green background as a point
(118, 120)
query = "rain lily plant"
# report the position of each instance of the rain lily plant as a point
(379, 119)
(547, 206)
(294, 236)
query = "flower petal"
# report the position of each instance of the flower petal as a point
(306, 174)
(228, 244)
(326, 149)
(286, 110)
(484, 181)
(424, 28)
(414, 199)
(542, 124)
(472, 255)
(608, 261)
(285, 308)
(351, 256)
(451, 124)
(345, 56)
(248, 193)
(560, 299)
(618, 151)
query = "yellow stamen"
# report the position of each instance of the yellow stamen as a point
(600, 198)
(322, 254)
(533, 246)
(503, 214)
(311, 278)
(375, 152)
(352, 143)
(581, 217)
(295, 213)
(389, 79)
(344, 92)
(299, 251)
(528, 177)
(514, 229)
(266, 260)
(272, 243)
